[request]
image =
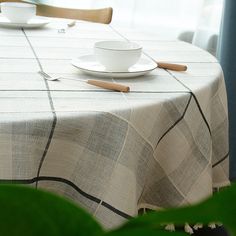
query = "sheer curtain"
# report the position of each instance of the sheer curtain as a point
(155, 14)
(194, 21)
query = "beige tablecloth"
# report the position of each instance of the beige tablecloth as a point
(164, 144)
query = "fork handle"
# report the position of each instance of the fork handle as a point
(109, 85)
(171, 66)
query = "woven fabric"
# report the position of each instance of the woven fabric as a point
(164, 144)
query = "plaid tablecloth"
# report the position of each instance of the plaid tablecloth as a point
(164, 144)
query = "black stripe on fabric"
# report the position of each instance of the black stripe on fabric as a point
(203, 116)
(172, 126)
(52, 109)
(71, 184)
(55, 179)
(118, 212)
(220, 161)
(47, 146)
(196, 100)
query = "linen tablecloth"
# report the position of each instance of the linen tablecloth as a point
(164, 144)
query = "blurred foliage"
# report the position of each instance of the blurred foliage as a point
(27, 211)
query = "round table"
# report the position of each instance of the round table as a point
(163, 144)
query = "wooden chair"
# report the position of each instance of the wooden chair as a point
(103, 15)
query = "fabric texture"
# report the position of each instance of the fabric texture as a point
(164, 144)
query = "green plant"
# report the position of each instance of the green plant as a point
(26, 211)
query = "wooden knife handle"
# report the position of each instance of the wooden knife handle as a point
(170, 66)
(109, 85)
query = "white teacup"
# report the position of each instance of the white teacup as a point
(18, 12)
(117, 56)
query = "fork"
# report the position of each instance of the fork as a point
(69, 25)
(98, 83)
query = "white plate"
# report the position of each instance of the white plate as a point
(89, 65)
(33, 23)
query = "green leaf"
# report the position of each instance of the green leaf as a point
(26, 211)
(145, 231)
(220, 208)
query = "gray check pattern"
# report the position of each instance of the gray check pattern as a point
(164, 144)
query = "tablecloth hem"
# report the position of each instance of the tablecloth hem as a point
(222, 184)
(149, 206)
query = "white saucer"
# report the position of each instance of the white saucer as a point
(89, 65)
(36, 22)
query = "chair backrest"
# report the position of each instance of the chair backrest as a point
(103, 15)
(206, 40)
(186, 36)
